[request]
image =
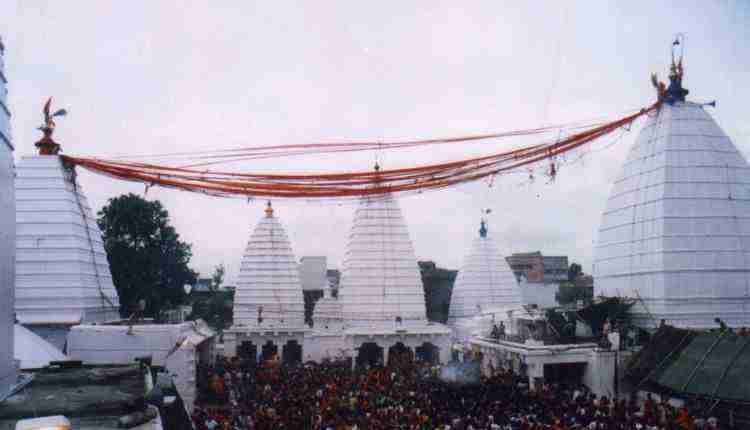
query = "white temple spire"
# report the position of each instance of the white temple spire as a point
(269, 292)
(485, 280)
(380, 281)
(675, 234)
(62, 273)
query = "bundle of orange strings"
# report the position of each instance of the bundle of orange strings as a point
(352, 184)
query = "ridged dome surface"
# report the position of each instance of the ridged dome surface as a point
(380, 280)
(676, 230)
(268, 284)
(62, 272)
(485, 280)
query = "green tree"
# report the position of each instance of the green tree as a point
(217, 279)
(147, 258)
(574, 271)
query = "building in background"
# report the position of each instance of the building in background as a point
(537, 268)
(540, 276)
(313, 273)
(438, 288)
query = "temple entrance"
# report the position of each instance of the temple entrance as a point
(292, 353)
(370, 354)
(248, 353)
(428, 352)
(269, 351)
(400, 353)
(564, 373)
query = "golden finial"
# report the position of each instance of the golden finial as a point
(47, 145)
(269, 210)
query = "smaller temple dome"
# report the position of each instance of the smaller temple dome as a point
(327, 314)
(269, 292)
(484, 281)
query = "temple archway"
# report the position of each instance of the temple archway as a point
(370, 353)
(400, 353)
(269, 351)
(428, 352)
(292, 353)
(248, 353)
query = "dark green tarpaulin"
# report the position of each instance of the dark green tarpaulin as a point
(713, 365)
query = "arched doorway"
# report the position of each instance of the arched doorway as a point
(370, 353)
(269, 351)
(400, 353)
(428, 352)
(292, 353)
(248, 353)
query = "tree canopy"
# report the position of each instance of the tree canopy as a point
(146, 256)
(575, 270)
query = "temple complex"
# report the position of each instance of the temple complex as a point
(484, 283)
(7, 240)
(674, 234)
(269, 312)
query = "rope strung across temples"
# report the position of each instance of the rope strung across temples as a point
(352, 184)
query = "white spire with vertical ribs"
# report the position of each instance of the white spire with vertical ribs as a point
(484, 281)
(62, 272)
(269, 292)
(380, 281)
(676, 230)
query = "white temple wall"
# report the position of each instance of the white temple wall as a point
(320, 346)
(7, 257)
(121, 344)
(7, 239)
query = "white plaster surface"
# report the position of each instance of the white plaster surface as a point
(485, 280)
(269, 279)
(32, 351)
(380, 279)
(676, 229)
(62, 273)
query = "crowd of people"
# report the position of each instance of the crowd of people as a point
(408, 395)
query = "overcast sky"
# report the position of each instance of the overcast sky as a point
(140, 77)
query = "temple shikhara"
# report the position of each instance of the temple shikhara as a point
(674, 232)
(484, 285)
(269, 311)
(62, 272)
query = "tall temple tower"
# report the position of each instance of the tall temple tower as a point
(269, 292)
(676, 229)
(380, 281)
(62, 273)
(484, 281)
(7, 239)
(269, 309)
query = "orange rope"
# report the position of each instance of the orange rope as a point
(343, 185)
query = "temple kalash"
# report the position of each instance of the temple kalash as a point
(671, 279)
